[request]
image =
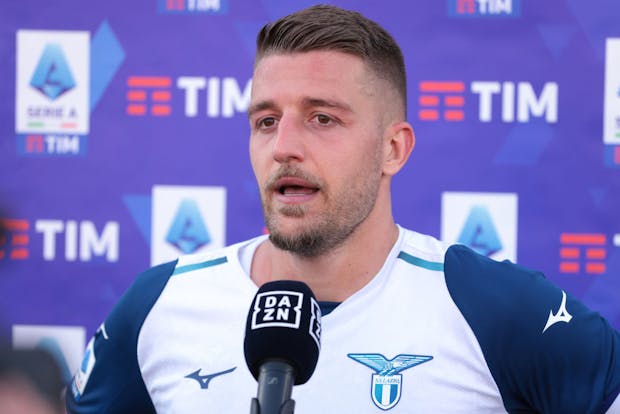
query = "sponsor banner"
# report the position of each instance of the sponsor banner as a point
(611, 130)
(484, 8)
(186, 220)
(68, 240)
(486, 222)
(152, 96)
(52, 92)
(508, 102)
(192, 6)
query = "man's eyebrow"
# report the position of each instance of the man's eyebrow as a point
(307, 102)
(260, 106)
(326, 103)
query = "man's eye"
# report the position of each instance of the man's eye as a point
(267, 122)
(323, 119)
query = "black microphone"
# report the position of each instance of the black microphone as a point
(282, 343)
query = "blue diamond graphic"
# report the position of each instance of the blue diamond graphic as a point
(106, 56)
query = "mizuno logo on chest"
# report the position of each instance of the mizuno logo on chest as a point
(204, 380)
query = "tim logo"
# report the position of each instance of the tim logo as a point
(192, 6)
(279, 308)
(58, 144)
(188, 231)
(505, 101)
(76, 241)
(52, 76)
(148, 94)
(441, 99)
(484, 8)
(213, 97)
(583, 251)
(14, 239)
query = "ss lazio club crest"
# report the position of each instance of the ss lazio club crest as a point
(386, 384)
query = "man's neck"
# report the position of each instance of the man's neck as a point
(333, 276)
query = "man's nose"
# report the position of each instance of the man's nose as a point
(289, 143)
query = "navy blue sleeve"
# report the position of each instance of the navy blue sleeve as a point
(109, 380)
(547, 352)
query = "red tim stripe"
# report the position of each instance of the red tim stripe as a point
(582, 238)
(20, 239)
(428, 100)
(161, 110)
(454, 115)
(432, 86)
(134, 95)
(596, 268)
(149, 82)
(136, 109)
(161, 96)
(569, 253)
(428, 115)
(454, 100)
(15, 224)
(596, 253)
(569, 267)
(19, 254)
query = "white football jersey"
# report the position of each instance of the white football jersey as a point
(437, 330)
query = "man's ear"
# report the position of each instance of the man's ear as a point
(398, 144)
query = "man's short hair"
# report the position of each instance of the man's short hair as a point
(325, 27)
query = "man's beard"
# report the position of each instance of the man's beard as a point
(333, 225)
(313, 241)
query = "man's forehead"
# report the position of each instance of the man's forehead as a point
(322, 67)
(317, 60)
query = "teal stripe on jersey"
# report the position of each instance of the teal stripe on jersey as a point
(202, 265)
(416, 261)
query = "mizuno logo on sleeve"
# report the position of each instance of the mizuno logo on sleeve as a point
(561, 316)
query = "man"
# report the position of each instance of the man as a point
(328, 132)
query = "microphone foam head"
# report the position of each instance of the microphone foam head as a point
(284, 323)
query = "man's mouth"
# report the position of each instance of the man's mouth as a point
(292, 186)
(296, 190)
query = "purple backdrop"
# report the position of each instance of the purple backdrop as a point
(118, 119)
